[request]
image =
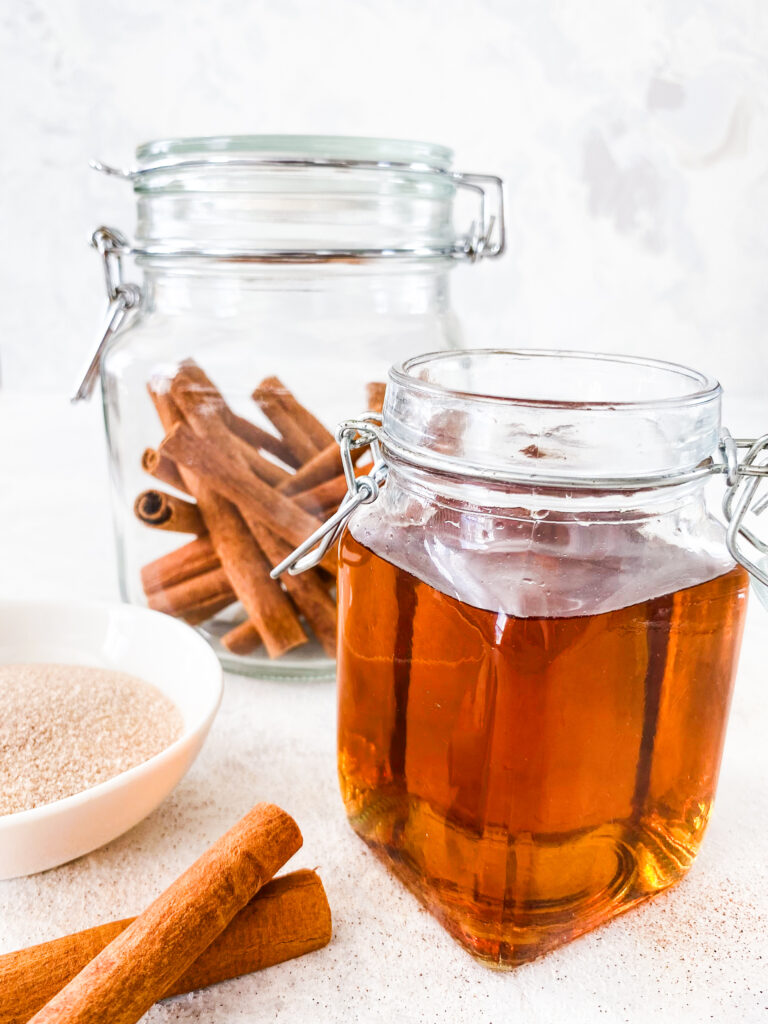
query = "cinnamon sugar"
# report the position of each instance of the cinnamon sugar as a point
(65, 728)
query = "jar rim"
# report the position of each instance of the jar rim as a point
(704, 387)
(337, 147)
(594, 420)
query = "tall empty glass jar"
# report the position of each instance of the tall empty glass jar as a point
(280, 276)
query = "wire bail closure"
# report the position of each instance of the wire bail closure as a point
(111, 244)
(742, 478)
(352, 435)
(485, 238)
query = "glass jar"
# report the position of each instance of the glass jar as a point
(539, 624)
(279, 275)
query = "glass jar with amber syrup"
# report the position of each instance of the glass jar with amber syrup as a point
(539, 625)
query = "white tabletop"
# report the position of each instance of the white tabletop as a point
(696, 953)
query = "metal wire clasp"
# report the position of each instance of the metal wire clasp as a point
(743, 479)
(352, 435)
(110, 244)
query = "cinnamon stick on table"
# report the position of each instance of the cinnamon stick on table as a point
(144, 962)
(287, 918)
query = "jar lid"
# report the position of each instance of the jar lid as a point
(549, 417)
(299, 198)
(345, 148)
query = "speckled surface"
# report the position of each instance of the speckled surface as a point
(697, 953)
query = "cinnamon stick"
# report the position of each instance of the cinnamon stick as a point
(302, 432)
(259, 438)
(161, 469)
(241, 639)
(266, 605)
(324, 498)
(144, 962)
(224, 472)
(206, 410)
(323, 466)
(309, 593)
(374, 395)
(168, 512)
(190, 560)
(183, 599)
(287, 918)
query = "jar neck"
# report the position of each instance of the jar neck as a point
(534, 503)
(197, 287)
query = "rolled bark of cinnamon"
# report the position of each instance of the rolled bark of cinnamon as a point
(162, 469)
(241, 639)
(374, 395)
(323, 466)
(143, 963)
(289, 917)
(181, 564)
(324, 498)
(259, 438)
(183, 599)
(207, 412)
(225, 473)
(309, 593)
(168, 512)
(267, 606)
(302, 432)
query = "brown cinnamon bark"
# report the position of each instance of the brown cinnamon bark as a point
(324, 498)
(374, 395)
(222, 470)
(190, 560)
(168, 512)
(324, 466)
(208, 414)
(259, 438)
(185, 598)
(241, 639)
(266, 605)
(204, 415)
(161, 469)
(302, 432)
(309, 593)
(146, 960)
(287, 918)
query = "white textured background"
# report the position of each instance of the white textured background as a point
(633, 135)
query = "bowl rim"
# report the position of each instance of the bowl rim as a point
(144, 768)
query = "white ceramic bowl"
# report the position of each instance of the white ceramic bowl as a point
(149, 645)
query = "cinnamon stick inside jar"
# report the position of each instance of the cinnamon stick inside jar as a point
(251, 510)
(287, 918)
(144, 962)
(244, 565)
(183, 563)
(303, 433)
(162, 469)
(168, 512)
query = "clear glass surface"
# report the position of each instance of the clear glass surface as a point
(325, 328)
